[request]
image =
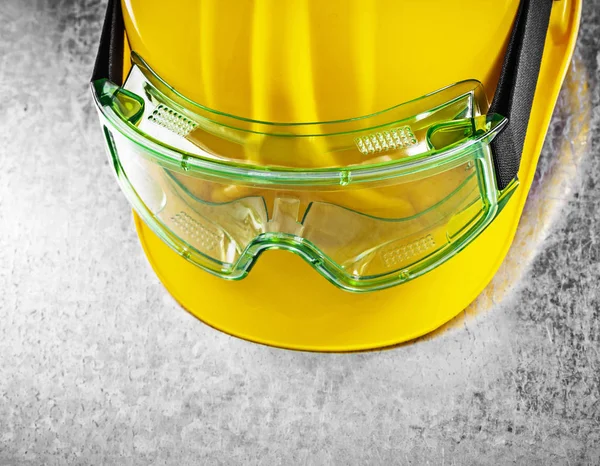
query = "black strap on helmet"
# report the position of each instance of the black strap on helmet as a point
(516, 87)
(513, 98)
(109, 60)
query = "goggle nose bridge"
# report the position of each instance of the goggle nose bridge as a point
(285, 218)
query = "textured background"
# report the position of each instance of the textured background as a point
(99, 365)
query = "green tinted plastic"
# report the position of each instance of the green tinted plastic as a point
(369, 202)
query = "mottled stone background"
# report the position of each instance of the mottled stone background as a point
(98, 365)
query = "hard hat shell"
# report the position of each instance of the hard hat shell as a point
(315, 61)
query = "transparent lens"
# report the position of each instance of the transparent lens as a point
(370, 202)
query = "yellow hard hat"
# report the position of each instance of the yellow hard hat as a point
(388, 145)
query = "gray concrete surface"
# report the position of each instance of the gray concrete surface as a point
(98, 365)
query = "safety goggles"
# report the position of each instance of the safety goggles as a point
(369, 202)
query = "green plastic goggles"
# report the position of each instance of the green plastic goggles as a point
(369, 202)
